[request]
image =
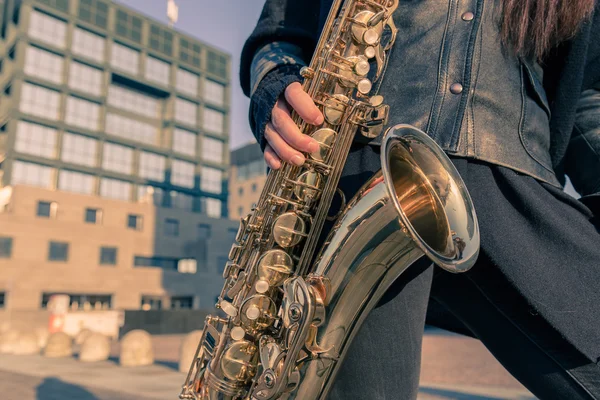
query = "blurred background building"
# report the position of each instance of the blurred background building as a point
(113, 159)
(247, 178)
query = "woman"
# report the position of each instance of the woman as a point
(510, 89)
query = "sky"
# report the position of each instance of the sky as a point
(224, 24)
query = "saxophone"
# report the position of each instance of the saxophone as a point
(288, 313)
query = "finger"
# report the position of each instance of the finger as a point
(283, 123)
(303, 104)
(271, 158)
(281, 147)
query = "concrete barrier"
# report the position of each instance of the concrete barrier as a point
(59, 345)
(188, 350)
(136, 349)
(95, 347)
(27, 344)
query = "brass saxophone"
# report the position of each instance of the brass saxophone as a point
(288, 313)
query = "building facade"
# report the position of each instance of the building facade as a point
(247, 178)
(113, 152)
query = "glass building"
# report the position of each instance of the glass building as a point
(111, 118)
(100, 100)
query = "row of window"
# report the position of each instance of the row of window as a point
(251, 169)
(41, 176)
(43, 102)
(82, 150)
(92, 46)
(59, 252)
(87, 302)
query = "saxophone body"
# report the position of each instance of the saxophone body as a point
(288, 310)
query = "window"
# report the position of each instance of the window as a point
(211, 180)
(129, 26)
(217, 64)
(47, 29)
(125, 58)
(130, 129)
(182, 173)
(108, 256)
(187, 82)
(204, 231)
(76, 182)
(151, 303)
(189, 52)
(214, 93)
(212, 150)
(133, 101)
(241, 191)
(35, 139)
(171, 227)
(159, 262)
(161, 40)
(117, 158)
(61, 5)
(150, 194)
(182, 201)
(82, 113)
(43, 64)
(212, 207)
(88, 44)
(182, 302)
(135, 222)
(212, 121)
(95, 12)
(152, 166)
(254, 188)
(85, 79)
(187, 266)
(78, 149)
(5, 247)
(82, 301)
(39, 101)
(115, 189)
(93, 216)
(157, 70)
(251, 169)
(31, 174)
(186, 112)
(58, 251)
(47, 209)
(240, 211)
(184, 142)
(2, 299)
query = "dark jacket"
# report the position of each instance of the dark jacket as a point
(555, 125)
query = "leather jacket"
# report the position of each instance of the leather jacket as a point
(449, 76)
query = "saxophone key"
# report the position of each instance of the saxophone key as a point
(289, 229)
(274, 267)
(257, 313)
(324, 137)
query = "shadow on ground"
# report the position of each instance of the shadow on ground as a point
(53, 389)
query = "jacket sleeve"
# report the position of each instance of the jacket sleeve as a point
(281, 44)
(583, 153)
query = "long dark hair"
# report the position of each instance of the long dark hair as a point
(534, 27)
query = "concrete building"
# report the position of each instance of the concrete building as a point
(113, 159)
(247, 178)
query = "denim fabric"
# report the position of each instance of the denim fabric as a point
(511, 112)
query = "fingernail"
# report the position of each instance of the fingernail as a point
(275, 164)
(313, 146)
(297, 160)
(319, 119)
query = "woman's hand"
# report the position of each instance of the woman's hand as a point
(284, 139)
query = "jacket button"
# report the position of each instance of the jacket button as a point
(456, 88)
(468, 16)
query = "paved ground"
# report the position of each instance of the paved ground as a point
(453, 368)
